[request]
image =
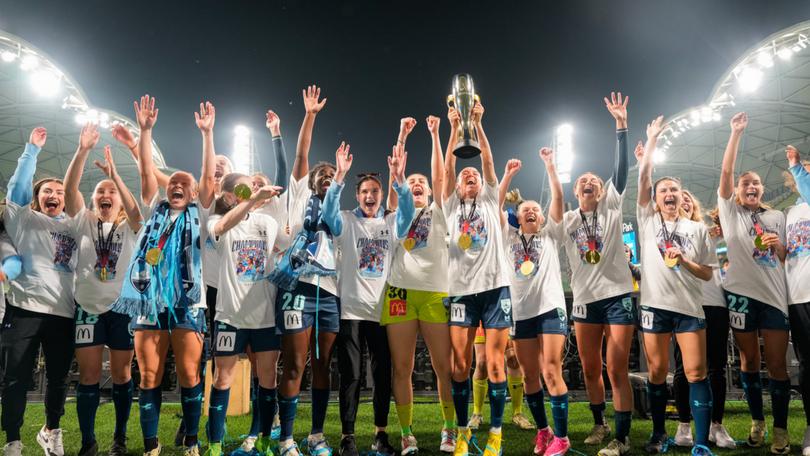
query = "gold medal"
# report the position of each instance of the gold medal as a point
(671, 262)
(759, 244)
(464, 241)
(153, 256)
(242, 192)
(526, 268)
(593, 256)
(409, 244)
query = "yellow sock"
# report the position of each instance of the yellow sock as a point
(516, 393)
(479, 393)
(405, 415)
(448, 414)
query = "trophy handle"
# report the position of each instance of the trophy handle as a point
(477, 98)
(450, 101)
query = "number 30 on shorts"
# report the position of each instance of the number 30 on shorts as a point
(288, 303)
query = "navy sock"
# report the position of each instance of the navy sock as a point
(598, 412)
(780, 402)
(622, 420)
(149, 401)
(87, 398)
(267, 410)
(320, 401)
(461, 400)
(753, 394)
(287, 408)
(122, 400)
(217, 410)
(658, 395)
(255, 421)
(559, 412)
(700, 396)
(538, 408)
(191, 401)
(497, 402)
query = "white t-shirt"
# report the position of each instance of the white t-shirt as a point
(713, 289)
(147, 214)
(540, 291)
(48, 250)
(674, 289)
(93, 294)
(797, 261)
(611, 276)
(424, 267)
(481, 267)
(6, 250)
(366, 245)
(752, 272)
(299, 197)
(245, 298)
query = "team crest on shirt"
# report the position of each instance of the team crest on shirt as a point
(63, 248)
(476, 229)
(798, 239)
(140, 275)
(580, 238)
(250, 259)
(506, 305)
(371, 254)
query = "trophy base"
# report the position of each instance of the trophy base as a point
(467, 148)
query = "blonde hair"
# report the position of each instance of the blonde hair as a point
(601, 182)
(737, 198)
(122, 214)
(697, 208)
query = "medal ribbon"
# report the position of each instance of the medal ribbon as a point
(465, 219)
(412, 229)
(165, 235)
(668, 237)
(104, 246)
(757, 222)
(526, 244)
(590, 231)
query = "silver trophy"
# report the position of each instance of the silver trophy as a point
(463, 100)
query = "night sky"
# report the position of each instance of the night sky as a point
(534, 66)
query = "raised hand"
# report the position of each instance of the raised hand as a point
(273, 123)
(792, 155)
(205, 118)
(512, 167)
(124, 136)
(343, 160)
(639, 151)
(477, 113)
(454, 117)
(396, 163)
(617, 106)
(266, 192)
(739, 122)
(655, 127)
(547, 155)
(311, 103)
(145, 113)
(88, 138)
(433, 124)
(108, 167)
(38, 137)
(406, 125)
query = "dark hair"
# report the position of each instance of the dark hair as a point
(38, 186)
(314, 172)
(367, 177)
(221, 207)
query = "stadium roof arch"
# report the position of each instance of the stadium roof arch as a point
(771, 83)
(34, 91)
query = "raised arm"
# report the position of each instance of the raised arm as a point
(449, 157)
(800, 174)
(313, 107)
(88, 139)
(396, 168)
(131, 207)
(122, 134)
(512, 168)
(555, 210)
(617, 106)
(273, 124)
(146, 115)
(331, 202)
(205, 122)
(738, 124)
(487, 163)
(436, 160)
(20, 187)
(644, 155)
(406, 125)
(238, 213)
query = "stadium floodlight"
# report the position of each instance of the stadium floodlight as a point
(564, 151)
(8, 56)
(785, 53)
(765, 59)
(749, 79)
(242, 150)
(705, 114)
(658, 156)
(80, 118)
(29, 62)
(45, 83)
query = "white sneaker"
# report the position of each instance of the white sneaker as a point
(13, 448)
(249, 443)
(51, 442)
(718, 434)
(616, 448)
(683, 437)
(805, 442)
(409, 445)
(449, 441)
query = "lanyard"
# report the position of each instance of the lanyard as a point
(104, 246)
(412, 229)
(590, 231)
(526, 245)
(755, 220)
(465, 218)
(668, 237)
(168, 232)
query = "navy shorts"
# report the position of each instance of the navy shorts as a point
(192, 319)
(229, 340)
(552, 322)
(661, 321)
(618, 310)
(296, 310)
(492, 309)
(110, 329)
(747, 314)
